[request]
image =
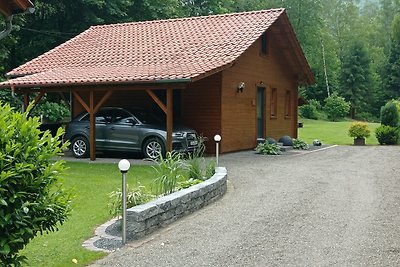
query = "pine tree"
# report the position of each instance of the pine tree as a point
(356, 78)
(392, 70)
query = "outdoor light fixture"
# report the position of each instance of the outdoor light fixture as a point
(124, 166)
(241, 87)
(217, 139)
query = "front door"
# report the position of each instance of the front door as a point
(260, 112)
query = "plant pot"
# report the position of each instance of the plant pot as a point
(359, 141)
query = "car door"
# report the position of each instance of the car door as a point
(122, 133)
(103, 118)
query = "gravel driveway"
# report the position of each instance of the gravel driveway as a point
(334, 207)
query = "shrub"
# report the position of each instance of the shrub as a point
(336, 107)
(390, 114)
(309, 111)
(387, 135)
(299, 144)
(187, 183)
(134, 196)
(52, 111)
(359, 130)
(268, 149)
(32, 199)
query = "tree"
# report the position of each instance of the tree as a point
(32, 199)
(392, 77)
(356, 78)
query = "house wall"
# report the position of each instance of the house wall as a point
(201, 108)
(238, 116)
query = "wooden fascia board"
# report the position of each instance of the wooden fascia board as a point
(298, 51)
(103, 87)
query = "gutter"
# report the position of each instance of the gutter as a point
(8, 28)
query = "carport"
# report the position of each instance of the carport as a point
(92, 97)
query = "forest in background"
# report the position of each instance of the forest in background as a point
(352, 46)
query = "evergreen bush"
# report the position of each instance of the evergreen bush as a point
(387, 135)
(390, 114)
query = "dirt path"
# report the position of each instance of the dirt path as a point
(339, 206)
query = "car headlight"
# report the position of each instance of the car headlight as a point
(178, 134)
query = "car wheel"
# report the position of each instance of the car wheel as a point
(153, 148)
(80, 147)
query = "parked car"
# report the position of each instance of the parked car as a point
(135, 130)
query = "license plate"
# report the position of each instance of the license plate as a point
(193, 143)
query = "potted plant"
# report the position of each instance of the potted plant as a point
(359, 131)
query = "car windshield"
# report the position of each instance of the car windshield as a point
(145, 117)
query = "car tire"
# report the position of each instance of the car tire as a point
(80, 147)
(153, 148)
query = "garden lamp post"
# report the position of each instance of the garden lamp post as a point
(124, 166)
(217, 139)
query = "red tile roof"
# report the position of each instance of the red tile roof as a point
(176, 49)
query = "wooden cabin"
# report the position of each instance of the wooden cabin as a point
(236, 75)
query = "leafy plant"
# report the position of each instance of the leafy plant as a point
(299, 144)
(32, 199)
(210, 168)
(187, 183)
(134, 196)
(52, 111)
(336, 107)
(390, 114)
(268, 149)
(169, 171)
(387, 135)
(359, 130)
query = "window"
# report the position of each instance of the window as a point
(273, 103)
(288, 105)
(264, 44)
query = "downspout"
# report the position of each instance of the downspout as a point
(17, 99)
(7, 31)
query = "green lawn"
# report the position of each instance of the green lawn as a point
(332, 133)
(91, 183)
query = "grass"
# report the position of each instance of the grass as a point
(332, 133)
(91, 184)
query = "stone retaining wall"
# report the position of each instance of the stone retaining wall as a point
(146, 218)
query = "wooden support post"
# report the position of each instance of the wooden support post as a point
(92, 129)
(26, 101)
(170, 116)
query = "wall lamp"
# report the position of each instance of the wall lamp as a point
(240, 88)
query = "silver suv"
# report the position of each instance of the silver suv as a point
(135, 130)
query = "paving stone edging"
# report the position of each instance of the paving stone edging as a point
(145, 219)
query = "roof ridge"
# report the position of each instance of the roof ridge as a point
(281, 10)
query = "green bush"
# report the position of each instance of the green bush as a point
(387, 135)
(32, 199)
(390, 114)
(169, 171)
(359, 130)
(299, 144)
(336, 107)
(309, 111)
(268, 149)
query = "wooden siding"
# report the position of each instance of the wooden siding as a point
(201, 108)
(238, 118)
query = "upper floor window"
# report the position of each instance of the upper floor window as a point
(264, 44)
